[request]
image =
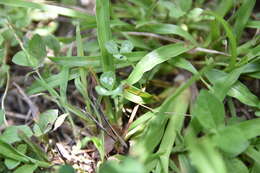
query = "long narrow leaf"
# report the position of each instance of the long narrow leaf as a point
(154, 58)
(49, 8)
(104, 32)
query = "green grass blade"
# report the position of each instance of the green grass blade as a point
(53, 81)
(243, 15)
(154, 58)
(94, 61)
(49, 8)
(253, 24)
(224, 7)
(224, 84)
(104, 32)
(174, 126)
(230, 35)
(168, 29)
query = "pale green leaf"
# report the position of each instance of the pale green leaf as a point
(154, 58)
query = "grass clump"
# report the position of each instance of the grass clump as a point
(129, 86)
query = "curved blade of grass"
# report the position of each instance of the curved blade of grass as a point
(168, 29)
(147, 143)
(154, 58)
(223, 85)
(174, 126)
(104, 33)
(94, 61)
(50, 8)
(243, 15)
(230, 35)
(10, 152)
(53, 81)
(238, 89)
(253, 24)
(223, 7)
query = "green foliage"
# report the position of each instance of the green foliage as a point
(183, 70)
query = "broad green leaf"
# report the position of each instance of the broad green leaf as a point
(238, 89)
(20, 58)
(243, 94)
(45, 122)
(28, 168)
(37, 48)
(203, 151)
(10, 152)
(168, 29)
(154, 58)
(11, 164)
(209, 111)
(242, 16)
(184, 64)
(224, 84)
(128, 165)
(66, 169)
(53, 43)
(231, 136)
(104, 33)
(10, 135)
(108, 79)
